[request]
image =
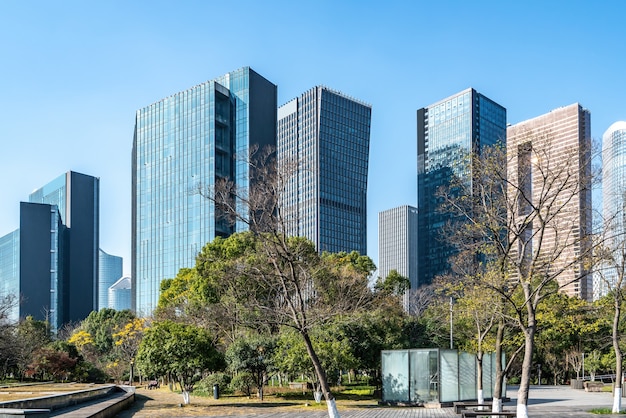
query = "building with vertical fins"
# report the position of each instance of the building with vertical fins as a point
(559, 138)
(448, 132)
(185, 141)
(51, 262)
(323, 137)
(77, 197)
(613, 199)
(397, 245)
(109, 272)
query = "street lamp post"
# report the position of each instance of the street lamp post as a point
(451, 338)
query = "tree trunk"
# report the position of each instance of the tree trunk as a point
(321, 376)
(617, 391)
(529, 345)
(499, 384)
(262, 384)
(479, 377)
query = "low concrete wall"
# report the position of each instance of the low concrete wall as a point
(60, 401)
(18, 413)
(116, 405)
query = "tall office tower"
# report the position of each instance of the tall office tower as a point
(448, 132)
(397, 245)
(50, 263)
(120, 294)
(613, 197)
(545, 144)
(326, 135)
(109, 272)
(77, 197)
(186, 141)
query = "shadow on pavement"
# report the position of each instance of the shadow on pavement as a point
(140, 401)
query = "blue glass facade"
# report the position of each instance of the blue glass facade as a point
(51, 261)
(327, 135)
(9, 269)
(448, 132)
(185, 141)
(109, 272)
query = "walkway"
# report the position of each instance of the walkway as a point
(545, 401)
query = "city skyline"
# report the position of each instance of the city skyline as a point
(72, 83)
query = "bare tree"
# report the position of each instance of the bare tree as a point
(8, 340)
(526, 214)
(289, 283)
(420, 299)
(611, 271)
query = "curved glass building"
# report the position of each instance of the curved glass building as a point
(120, 294)
(613, 194)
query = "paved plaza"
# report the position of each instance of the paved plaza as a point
(545, 401)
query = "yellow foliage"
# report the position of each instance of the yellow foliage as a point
(131, 331)
(80, 339)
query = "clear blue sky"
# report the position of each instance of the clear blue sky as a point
(72, 75)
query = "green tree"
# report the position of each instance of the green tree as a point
(8, 340)
(254, 355)
(282, 280)
(180, 351)
(394, 284)
(566, 325)
(32, 335)
(102, 324)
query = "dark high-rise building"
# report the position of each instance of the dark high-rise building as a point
(184, 141)
(448, 132)
(51, 261)
(326, 135)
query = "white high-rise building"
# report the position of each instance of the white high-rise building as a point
(397, 245)
(613, 195)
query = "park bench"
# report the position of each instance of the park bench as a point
(469, 413)
(459, 406)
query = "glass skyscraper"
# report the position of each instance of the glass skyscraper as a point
(324, 135)
(10, 269)
(51, 261)
(448, 132)
(77, 198)
(109, 272)
(182, 143)
(613, 196)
